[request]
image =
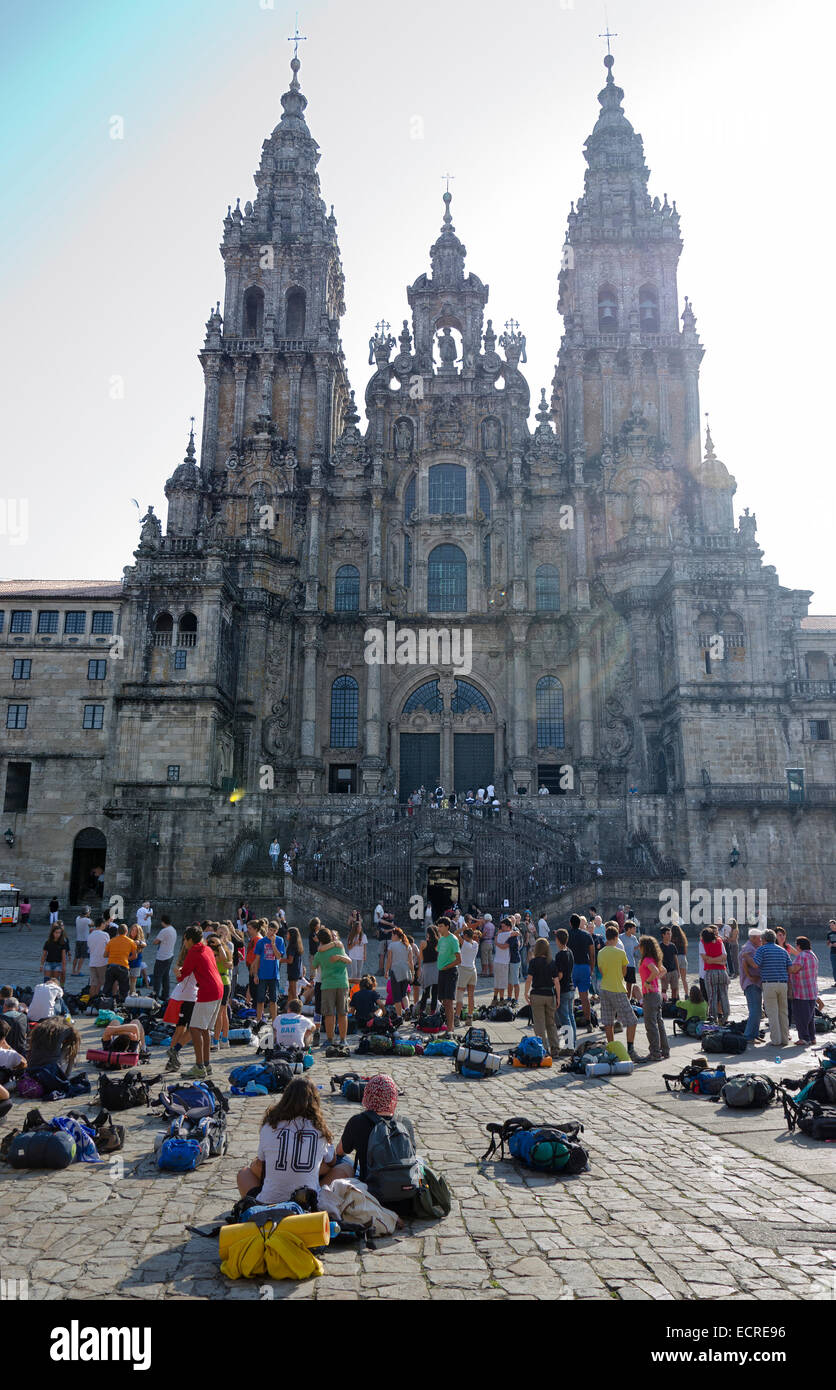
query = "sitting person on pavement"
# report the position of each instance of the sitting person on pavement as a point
(291, 1029)
(295, 1148)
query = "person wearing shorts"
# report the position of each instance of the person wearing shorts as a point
(333, 963)
(449, 960)
(200, 962)
(582, 946)
(466, 981)
(267, 958)
(615, 1006)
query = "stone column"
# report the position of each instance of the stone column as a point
(323, 384)
(268, 362)
(309, 763)
(312, 580)
(586, 707)
(521, 760)
(372, 764)
(691, 359)
(575, 397)
(663, 378)
(240, 369)
(446, 687)
(294, 372)
(374, 599)
(209, 441)
(607, 361)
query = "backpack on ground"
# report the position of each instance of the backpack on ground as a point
(125, 1092)
(441, 1047)
(393, 1172)
(334, 1050)
(724, 1040)
(749, 1091)
(42, 1149)
(375, 1043)
(273, 1076)
(400, 1049)
(823, 1023)
(689, 1026)
(815, 1120)
(819, 1085)
(475, 1057)
(500, 1013)
(545, 1148)
(240, 1035)
(698, 1079)
(432, 1023)
(351, 1085)
(433, 1199)
(671, 1008)
(530, 1052)
(194, 1100)
(178, 1155)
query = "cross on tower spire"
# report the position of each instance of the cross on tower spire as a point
(607, 35)
(296, 38)
(447, 178)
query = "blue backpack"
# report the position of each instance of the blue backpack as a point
(530, 1052)
(181, 1155)
(195, 1100)
(442, 1047)
(273, 1077)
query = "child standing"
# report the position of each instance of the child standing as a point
(651, 971)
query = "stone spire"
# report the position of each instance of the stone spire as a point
(448, 253)
(615, 197)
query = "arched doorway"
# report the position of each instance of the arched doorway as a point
(447, 732)
(88, 865)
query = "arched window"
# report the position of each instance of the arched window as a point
(466, 696)
(550, 730)
(409, 499)
(347, 590)
(427, 697)
(484, 496)
(448, 489)
(295, 314)
(547, 581)
(447, 580)
(187, 630)
(345, 701)
(607, 310)
(253, 312)
(163, 629)
(648, 310)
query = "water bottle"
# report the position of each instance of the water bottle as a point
(334, 1227)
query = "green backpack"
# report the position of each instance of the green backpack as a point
(433, 1199)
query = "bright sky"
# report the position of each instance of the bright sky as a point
(109, 248)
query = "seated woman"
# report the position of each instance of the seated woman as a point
(53, 1041)
(380, 1098)
(365, 1002)
(12, 1064)
(295, 1148)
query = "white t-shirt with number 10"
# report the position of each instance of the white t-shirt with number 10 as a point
(291, 1154)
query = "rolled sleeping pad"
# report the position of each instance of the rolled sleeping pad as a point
(313, 1228)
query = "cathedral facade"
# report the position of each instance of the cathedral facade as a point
(465, 588)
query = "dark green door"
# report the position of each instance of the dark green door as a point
(472, 761)
(420, 763)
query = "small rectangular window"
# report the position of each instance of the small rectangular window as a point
(180, 659)
(96, 670)
(16, 716)
(93, 716)
(17, 787)
(343, 779)
(75, 622)
(102, 624)
(21, 670)
(820, 729)
(21, 620)
(47, 622)
(173, 773)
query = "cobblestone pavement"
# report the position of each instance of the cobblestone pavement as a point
(684, 1199)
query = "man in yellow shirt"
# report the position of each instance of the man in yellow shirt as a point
(120, 951)
(615, 1006)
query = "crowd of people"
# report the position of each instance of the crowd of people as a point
(312, 988)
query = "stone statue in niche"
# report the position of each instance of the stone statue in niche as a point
(403, 437)
(447, 350)
(490, 436)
